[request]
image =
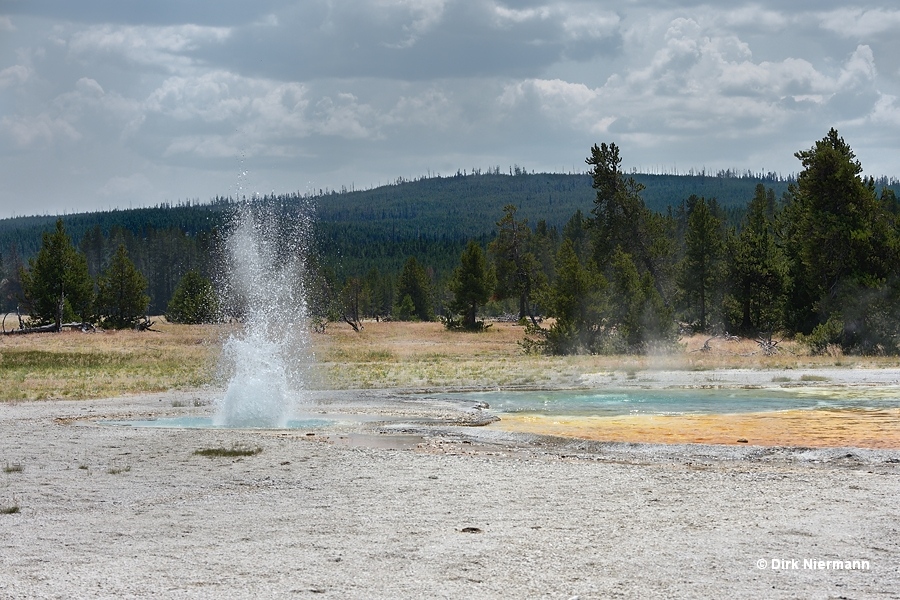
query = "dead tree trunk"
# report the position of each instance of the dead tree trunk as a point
(356, 325)
(768, 345)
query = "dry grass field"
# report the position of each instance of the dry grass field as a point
(78, 365)
(426, 355)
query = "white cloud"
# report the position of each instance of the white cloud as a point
(423, 16)
(211, 97)
(861, 23)
(859, 70)
(382, 86)
(263, 117)
(700, 83)
(553, 94)
(13, 76)
(282, 108)
(88, 106)
(89, 87)
(752, 17)
(40, 130)
(432, 109)
(135, 184)
(344, 116)
(158, 47)
(591, 25)
(504, 17)
(886, 111)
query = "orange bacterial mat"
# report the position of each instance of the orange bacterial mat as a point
(861, 428)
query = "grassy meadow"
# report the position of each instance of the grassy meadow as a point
(426, 355)
(76, 365)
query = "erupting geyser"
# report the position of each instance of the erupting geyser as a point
(267, 362)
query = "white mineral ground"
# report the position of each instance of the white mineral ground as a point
(416, 504)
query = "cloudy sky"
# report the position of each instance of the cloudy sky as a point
(118, 103)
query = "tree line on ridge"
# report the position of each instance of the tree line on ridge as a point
(817, 259)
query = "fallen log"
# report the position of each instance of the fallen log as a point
(145, 324)
(52, 328)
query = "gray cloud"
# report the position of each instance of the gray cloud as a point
(423, 40)
(136, 12)
(118, 103)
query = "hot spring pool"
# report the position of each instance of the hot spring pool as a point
(814, 417)
(611, 403)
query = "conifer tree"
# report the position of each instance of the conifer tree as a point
(194, 301)
(702, 270)
(414, 282)
(471, 285)
(638, 318)
(758, 269)
(516, 268)
(121, 297)
(575, 300)
(57, 285)
(10, 280)
(622, 220)
(842, 247)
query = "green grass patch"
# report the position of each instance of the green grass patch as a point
(814, 378)
(228, 452)
(76, 365)
(353, 355)
(15, 359)
(9, 510)
(781, 379)
(118, 470)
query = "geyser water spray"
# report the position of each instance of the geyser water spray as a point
(268, 361)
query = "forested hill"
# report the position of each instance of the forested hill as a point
(357, 231)
(455, 207)
(23, 234)
(469, 206)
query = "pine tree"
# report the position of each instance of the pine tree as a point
(471, 286)
(637, 318)
(194, 301)
(758, 269)
(702, 270)
(622, 220)
(842, 247)
(575, 300)
(121, 297)
(414, 282)
(92, 245)
(57, 285)
(516, 268)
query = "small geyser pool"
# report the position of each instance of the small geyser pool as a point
(191, 422)
(328, 422)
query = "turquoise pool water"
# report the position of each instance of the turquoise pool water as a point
(609, 403)
(207, 423)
